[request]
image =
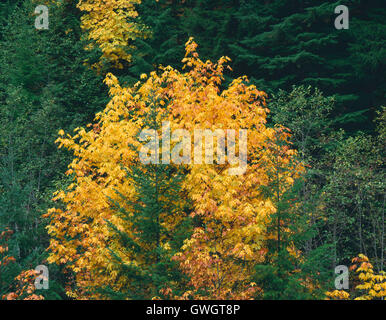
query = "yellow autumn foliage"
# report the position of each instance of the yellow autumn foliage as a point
(112, 26)
(372, 286)
(220, 255)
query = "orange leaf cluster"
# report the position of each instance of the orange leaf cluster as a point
(220, 256)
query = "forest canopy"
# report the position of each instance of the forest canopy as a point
(192, 149)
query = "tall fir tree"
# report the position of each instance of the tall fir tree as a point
(143, 263)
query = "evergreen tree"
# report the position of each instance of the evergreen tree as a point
(295, 42)
(147, 239)
(278, 44)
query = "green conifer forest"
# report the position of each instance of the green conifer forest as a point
(86, 85)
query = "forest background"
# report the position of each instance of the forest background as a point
(325, 85)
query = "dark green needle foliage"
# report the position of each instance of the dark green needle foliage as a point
(151, 242)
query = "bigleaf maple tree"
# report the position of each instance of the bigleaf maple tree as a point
(230, 212)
